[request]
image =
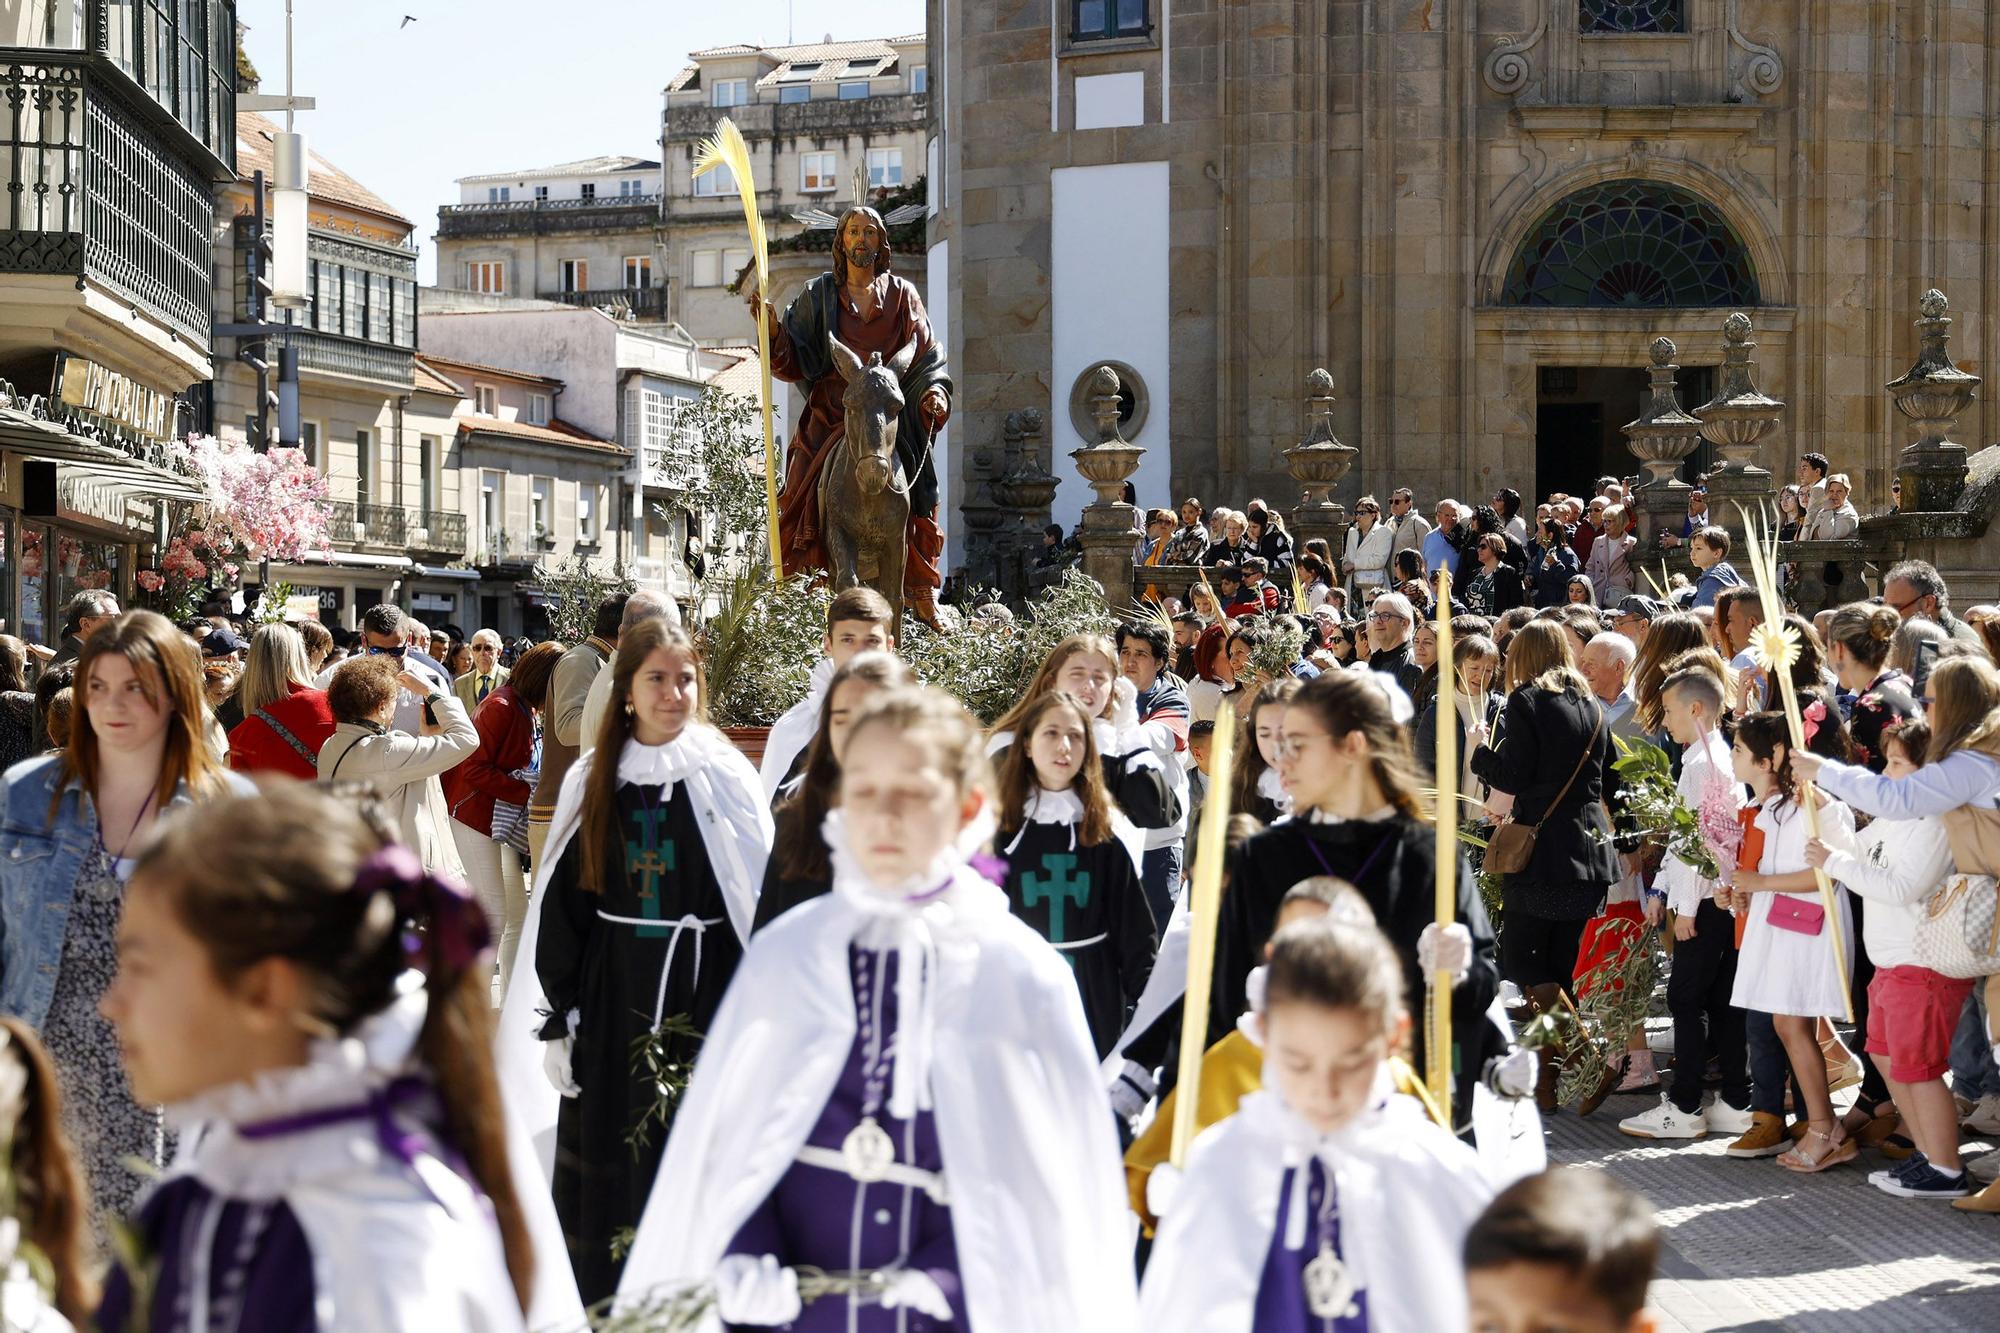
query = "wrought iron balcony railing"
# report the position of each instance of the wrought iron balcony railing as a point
(95, 191)
(335, 354)
(643, 302)
(406, 528)
(545, 217)
(504, 547)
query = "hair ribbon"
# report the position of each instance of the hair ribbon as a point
(455, 930)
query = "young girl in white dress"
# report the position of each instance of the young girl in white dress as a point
(1787, 967)
(1326, 1204)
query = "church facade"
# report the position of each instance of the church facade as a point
(1475, 216)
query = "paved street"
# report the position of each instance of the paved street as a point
(1753, 1246)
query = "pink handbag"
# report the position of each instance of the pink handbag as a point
(1801, 915)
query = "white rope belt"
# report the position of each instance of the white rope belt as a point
(687, 923)
(1067, 945)
(896, 1173)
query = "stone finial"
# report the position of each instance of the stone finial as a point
(1104, 387)
(1739, 415)
(1319, 384)
(1663, 434)
(1031, 420)
(1320, 460)
(1931, 395)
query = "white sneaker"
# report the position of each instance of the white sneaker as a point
(1665, 1121)
(1726, 1119)
(1985, 1117)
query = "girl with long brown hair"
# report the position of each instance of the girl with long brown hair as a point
(48, 1198)
(74, 822)
(800, 869)
(1254, 788)
(301, 989)
(642, 908)
(1069, 873)
(1358, 814)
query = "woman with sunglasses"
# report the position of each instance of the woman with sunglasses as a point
(1366, 562)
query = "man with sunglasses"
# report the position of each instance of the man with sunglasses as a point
(383, 634)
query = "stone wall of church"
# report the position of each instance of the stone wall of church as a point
(1349, 181)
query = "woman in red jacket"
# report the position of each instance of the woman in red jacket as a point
(499, 773)
(285, 720)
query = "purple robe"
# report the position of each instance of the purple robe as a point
(1281, 1292)
(824, 1219)
(264, 1281)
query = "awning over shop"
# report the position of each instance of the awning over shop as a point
(440, 572)
(97, 463)
(351, 560)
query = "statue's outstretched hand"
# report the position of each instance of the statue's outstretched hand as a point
(936, 407)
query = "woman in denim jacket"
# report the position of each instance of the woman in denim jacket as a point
(70, 825)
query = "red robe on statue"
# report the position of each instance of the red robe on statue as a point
(898, 319)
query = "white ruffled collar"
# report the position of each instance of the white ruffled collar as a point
(664, 765)
(1271, 787)
(1046, 806)
(1324, 816)
(337, 1071)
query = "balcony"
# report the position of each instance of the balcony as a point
(669, 469)
(548, 217)
(506, 549)
(101, 192)
(430, 532)
(355, 358)
(821, 117)
(630, 302)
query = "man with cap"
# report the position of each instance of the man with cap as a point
(1633, 617)
(221, 664)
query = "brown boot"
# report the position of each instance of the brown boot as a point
(922, 603)
(1614, 1073)
(1547, 999)
(1986, 1201)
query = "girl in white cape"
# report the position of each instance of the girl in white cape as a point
(900, 1084)
(642, 903)
(1325, 1204)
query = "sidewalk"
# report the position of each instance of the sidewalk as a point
(1750, 1245)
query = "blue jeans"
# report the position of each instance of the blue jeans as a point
(1973, 1074)
(1160, 874)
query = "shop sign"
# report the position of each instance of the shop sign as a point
(106, 398)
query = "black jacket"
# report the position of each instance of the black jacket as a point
(1396, 662)
(1543, 736)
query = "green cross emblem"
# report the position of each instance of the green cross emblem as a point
(1061, 885)
(648, 858)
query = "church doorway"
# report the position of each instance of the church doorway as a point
(1580, 412)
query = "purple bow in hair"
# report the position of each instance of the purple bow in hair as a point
(455, 930)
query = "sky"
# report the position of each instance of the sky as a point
(475, 86)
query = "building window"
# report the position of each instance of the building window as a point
(492, 506)
(364, 467)
(499, 194)
(885, 168)
(541, 506)
(309, 441)
(818, 172)
(920, 80)
(1632, 243)
(538, 409)
(714, 182)
(575, 275)
(733, 263)
(1596, 16)
(1096, 20)
(731, 92)
(853, 92)
(429, 473)
(630, 189)
(486, 400)
(638, 272)
(589, 190)
(586, 513)
(486, 275)
(541, 193)
(795, 92)
(704, 268)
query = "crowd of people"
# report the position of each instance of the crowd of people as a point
(451, 985)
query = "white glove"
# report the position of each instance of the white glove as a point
(756, 1290)
(1446, 950)
(1514, 1074)
(913, 1289)
(1132, 1089)
(1161, 1187)
(1124, 713)
(556, 1064)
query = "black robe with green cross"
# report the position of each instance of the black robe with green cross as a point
(1075, 893)
(611, 973)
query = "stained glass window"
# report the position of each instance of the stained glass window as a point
(1630, 16)
(1631, 243)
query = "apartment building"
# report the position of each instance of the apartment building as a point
(818, 119)
(579, 233)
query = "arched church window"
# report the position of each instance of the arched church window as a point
(1631, 243)
(1630, 16)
